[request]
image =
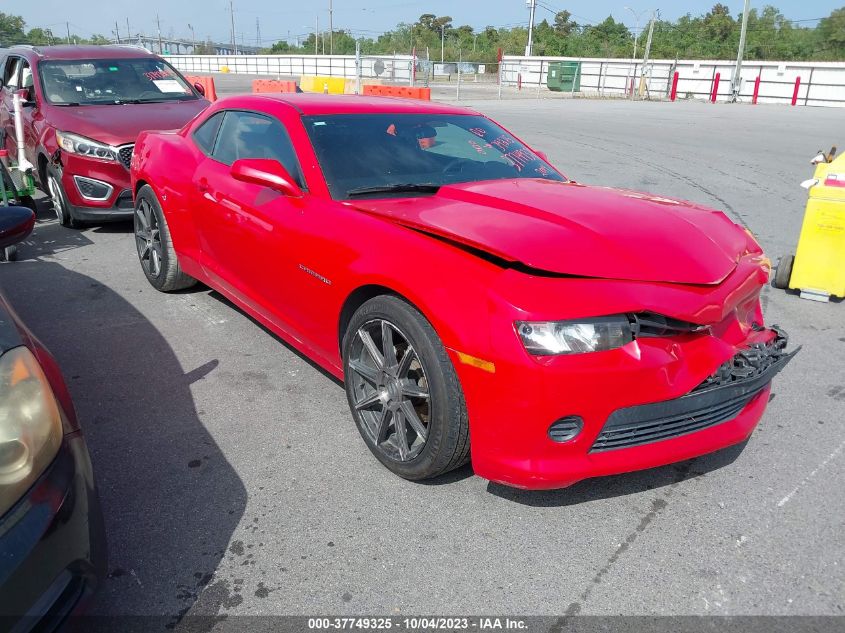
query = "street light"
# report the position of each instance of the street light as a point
(442, 41)
(637, 29)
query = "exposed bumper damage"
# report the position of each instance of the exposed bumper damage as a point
(718, 399)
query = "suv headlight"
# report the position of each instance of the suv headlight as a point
(548, 338)
(30, 424)
(76, 144)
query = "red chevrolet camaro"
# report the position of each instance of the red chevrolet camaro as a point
(474, 301)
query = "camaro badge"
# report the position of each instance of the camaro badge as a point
(325, 280)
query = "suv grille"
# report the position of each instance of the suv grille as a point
(718, 399)
(125, 154)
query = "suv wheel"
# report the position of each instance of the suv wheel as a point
(61, 206)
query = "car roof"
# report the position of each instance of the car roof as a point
(71, 52)
(317, 104)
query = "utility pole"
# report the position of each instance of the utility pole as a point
(647, 52)
(232, 15)
(116, 33)
(442, 42)
(128, 32)
(738, 70)
(67, 26)
(532, 5)
(331, 30)
(316, 31)
(258, 32)
(158, 26)
(193, 39)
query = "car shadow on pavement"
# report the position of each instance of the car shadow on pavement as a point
(621, 485)
(171, 499)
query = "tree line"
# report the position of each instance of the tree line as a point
(713, 35)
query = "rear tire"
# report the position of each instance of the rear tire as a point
(783, 272)
(398, 376)
(155, 248)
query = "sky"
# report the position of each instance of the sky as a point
(283, 19)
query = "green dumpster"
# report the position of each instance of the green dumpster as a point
(564, 76)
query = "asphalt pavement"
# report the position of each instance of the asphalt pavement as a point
(234, 481)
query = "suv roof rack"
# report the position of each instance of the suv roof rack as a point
(34, 49)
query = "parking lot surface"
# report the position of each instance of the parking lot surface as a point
(234, 481)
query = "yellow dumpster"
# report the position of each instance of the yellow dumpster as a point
(817, 269)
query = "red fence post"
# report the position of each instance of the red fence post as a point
(674, 85)
(756, 90)
(414, 66)
(795, 92)
(499, 56)
(715, 92)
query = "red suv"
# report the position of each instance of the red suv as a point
(83, 107)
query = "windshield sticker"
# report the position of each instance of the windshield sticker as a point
(520, 158)
(158, 74)
(477, 147)
(503, 142)
(479, 132)
(168, 85)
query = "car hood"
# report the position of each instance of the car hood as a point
(572, 229)
(119, 124)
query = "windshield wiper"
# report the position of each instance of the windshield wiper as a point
(399, 188)
(69, 104)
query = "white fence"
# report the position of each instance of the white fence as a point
(818, 83)
(808, 83)
(395, 68)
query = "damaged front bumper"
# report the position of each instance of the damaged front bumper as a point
(718, 399)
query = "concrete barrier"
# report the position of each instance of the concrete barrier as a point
(321, 83)
(398, 91)
(272, 86)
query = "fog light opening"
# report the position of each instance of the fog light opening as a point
(566, 429)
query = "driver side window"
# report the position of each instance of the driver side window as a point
(251, 135)
(11, 73)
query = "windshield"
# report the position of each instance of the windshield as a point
(385, 155)
(112, 81)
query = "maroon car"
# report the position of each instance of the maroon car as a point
(83, 107)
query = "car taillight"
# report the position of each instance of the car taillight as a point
(835, 180)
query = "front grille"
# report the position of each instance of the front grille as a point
(718, 399)
(649, 431)
(125, 154)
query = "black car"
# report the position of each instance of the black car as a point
(52, 539)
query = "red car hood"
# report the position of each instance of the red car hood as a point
(567, 228)
(119, 124)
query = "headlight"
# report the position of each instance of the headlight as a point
(574, 337)
(84, 146)
(30, 424)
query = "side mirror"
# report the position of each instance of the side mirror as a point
(26, 97)
(199, 88)
(542, 155)
(266, 172)
(16, 224)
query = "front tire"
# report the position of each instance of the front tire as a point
(783, 272)
(61, 206)
(403, 391)
(155, 248)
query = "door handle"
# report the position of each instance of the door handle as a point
(202, 185)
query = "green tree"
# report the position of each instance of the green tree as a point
(11, 29)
